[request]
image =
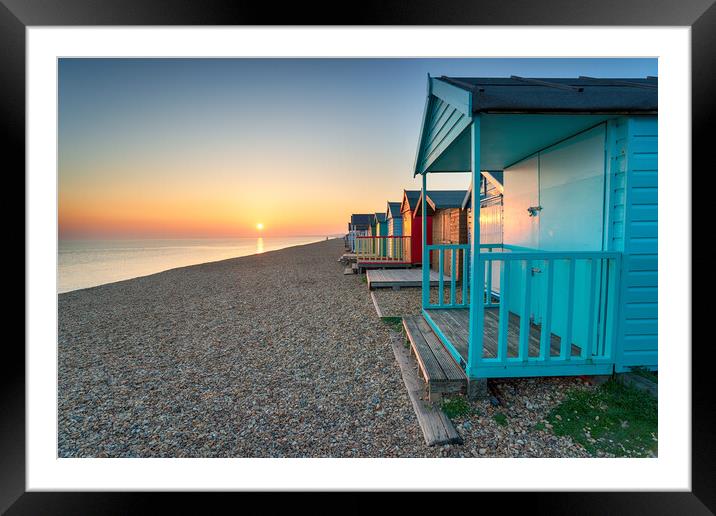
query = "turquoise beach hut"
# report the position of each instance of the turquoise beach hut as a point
(379, 224)
(379, 228)
(395, 230)
(577, 262)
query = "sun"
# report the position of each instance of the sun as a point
(259, 226)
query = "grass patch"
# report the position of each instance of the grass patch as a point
(645, 373)
(613, 418)
(456, 407)
(500, 419)
(538, 427)
(396, 323)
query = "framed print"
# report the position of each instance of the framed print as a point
(418, 250)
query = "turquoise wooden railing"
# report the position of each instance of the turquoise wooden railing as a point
(382, 248)
(456, 258)
(569, 298)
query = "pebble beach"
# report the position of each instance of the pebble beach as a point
(272, 355)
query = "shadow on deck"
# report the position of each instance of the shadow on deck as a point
(398, 278)
(454, 323)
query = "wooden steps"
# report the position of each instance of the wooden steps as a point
(438, 368)
(436, 426)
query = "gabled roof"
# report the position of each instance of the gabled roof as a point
(518, 116)
(441, 200)
(495, 177)
(566, 95)
(393, 210)
(410, 200)
(378, 217)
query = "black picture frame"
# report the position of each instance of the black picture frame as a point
(700, 15)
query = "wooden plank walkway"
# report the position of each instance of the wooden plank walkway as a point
(386, 278)
(375, 304)
(454, 324)
(441, 373)
(436, 426)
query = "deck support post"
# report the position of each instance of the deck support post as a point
(477, 275)
(477, 388)
(426, 262)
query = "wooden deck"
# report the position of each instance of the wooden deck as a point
(386, 278)
(372, 265)
(454, 325)
(438, 368)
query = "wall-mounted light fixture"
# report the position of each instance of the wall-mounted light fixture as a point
(534, 210)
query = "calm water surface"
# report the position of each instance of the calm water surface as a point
(88, 263)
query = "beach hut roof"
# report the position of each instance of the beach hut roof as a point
(377, 217)
(412, 196)
(393, 210)
(518, 116)
(492, 176)
(441, 199)
(360, 220)
(571, 95)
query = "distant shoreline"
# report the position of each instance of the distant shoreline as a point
(318, 240)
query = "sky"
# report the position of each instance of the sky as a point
(191, 148)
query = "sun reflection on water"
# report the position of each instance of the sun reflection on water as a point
(259, 245)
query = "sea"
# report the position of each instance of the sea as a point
(88, 263)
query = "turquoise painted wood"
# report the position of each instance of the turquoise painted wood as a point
(589, 271)
(448, 344)
(395, 226)
(546, 331)
(518, 267)
(426, 252)
(633, 227)
(526, 300)
(504, 314)
(452, 279)
(441, 280)
(444, 122)
(440, 251)
(477, 278)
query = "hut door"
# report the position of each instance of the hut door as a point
(521, 194)
(521, 220)
(572, 183)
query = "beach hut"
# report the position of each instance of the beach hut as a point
(378, 225)
(358, 226)
(412, 226)
(578, 259)
(397, 242)
(491, 202)
(379, 229)
(449, 226)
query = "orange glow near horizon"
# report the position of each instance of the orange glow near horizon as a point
(218, 207)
